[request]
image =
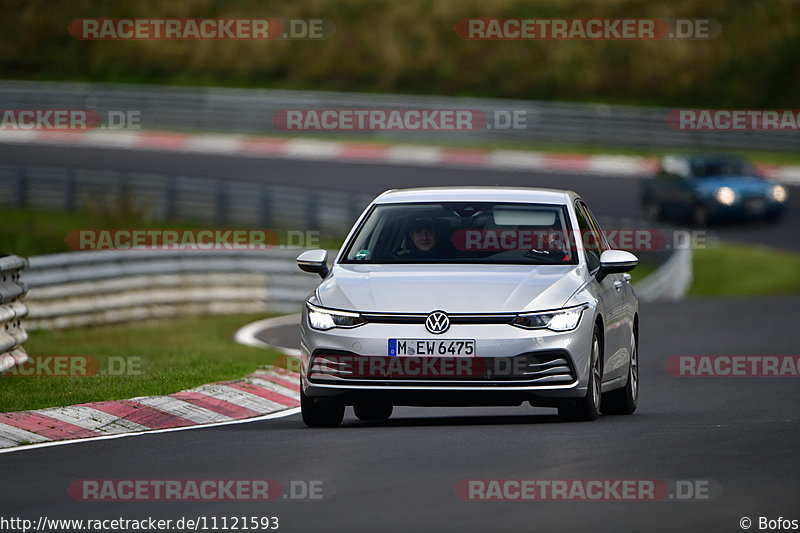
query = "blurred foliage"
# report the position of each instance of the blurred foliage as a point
(409, 46)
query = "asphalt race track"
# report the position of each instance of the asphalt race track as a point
(739, 434)
(605, 195)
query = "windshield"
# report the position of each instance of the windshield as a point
(463, 232)
(709, 168)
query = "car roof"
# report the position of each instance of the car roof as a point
(470, 194)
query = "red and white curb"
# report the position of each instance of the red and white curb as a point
(264, 394)
(320, 150)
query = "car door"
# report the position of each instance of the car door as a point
(612, 291)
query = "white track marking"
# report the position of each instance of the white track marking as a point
(281, 414)
(189, 411)
(94, 419)
(8, 432)
(247, 334)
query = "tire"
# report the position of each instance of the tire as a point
(321, 412)
(588, 407)
(699, 216)
(652, 211)
(373, 411)
(774, 219)
(623, 401)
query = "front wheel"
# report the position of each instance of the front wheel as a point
(321, 412)
(623, 401)
(373, 411)
(699, 216)
(588, 407)
(652, 210)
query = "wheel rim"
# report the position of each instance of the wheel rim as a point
(635, 371)
(596, 372)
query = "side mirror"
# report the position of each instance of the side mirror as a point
(615, 262)
(314, 261)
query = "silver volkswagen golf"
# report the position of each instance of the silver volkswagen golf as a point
(470, 296)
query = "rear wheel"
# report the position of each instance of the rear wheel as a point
(321, 412)
(623, 401)
(373, 411)
(588, 407)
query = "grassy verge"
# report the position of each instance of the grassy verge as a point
(169, 355)
(641, 271)
(741, 270)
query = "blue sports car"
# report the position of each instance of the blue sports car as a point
(706, 188)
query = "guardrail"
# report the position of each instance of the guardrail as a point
(12, 311)
(179, 197)
(85, 288)
(251, 111)
(82, 288)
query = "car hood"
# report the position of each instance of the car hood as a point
(740, 184)
(451, 288)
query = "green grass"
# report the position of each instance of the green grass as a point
(641, 271)
(742, 270)
(174, 354)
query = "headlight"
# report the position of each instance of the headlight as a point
(324, 319)
(725, 196)
(778, 193)
(559, 320)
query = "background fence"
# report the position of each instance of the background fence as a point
(251, 111)
(12, 311)
(176, 197)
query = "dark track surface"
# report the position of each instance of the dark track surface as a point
(739, 432)
(605, 195)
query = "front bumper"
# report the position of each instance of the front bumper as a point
(511, 365)
(744, 208)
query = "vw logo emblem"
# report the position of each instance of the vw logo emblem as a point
(437, 322)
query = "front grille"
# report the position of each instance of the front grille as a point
(455, 318)
(553, 367)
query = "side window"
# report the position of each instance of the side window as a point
(593, 220)
(588, 237)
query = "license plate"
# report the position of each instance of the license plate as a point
(443, 347)
(755, 205)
